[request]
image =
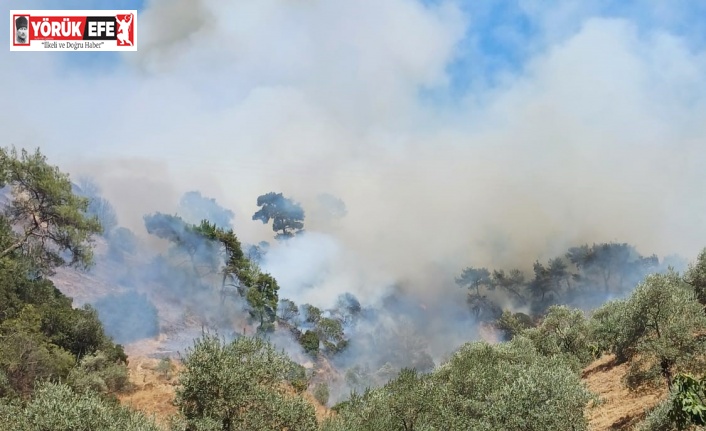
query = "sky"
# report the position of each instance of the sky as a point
(457, 132)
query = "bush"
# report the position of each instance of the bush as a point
(239, 385)
(321, 393)
(310, 342)
(563, 331)
(657, 329)
(484, 387)
(56, 407)
(97, 373)
(513, 324)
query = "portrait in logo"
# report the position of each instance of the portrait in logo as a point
(124, 23)
(22, 30)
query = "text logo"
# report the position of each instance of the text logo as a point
(73, 30)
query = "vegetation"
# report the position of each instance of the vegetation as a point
(287, 216)
(59, 370)
(239, 385)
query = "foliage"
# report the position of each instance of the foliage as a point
(100, 374)
(165, 367)
(310, 342)
(321, 393)
(482, 387)
(657, 329)
(55, 407)
(287, 216)
(288, 311)
(688, 403)
(512, 324)
(658, 418)
(50, 220)
(563, 331)
(311, 313)
(330, 332)
(239, 386)
(696, 277)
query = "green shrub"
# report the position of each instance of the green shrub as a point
(563, 332)
(55, 407)
(240, 386)
(657, 329)
(321, 393)
(310, 342)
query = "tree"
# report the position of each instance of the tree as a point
(287, 216)
(658, 329)
(288, 311)
(49, 220)
(187, 238)
(262, 298)
(240, 385)
(696, 277)
(57, 407)
(474, 278)
(512, 282)
(98, 206)
(563, 331)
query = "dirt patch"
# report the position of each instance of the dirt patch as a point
(621, 409)
(153, 392)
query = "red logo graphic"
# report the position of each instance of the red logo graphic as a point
(126, 29)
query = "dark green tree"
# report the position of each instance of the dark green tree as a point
(287, 216)
(51, 224)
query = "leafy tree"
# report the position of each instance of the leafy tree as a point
(187, 238)
(542, 284)
(311, 313)
(239, 385)
(657, 329)
(321, 393)
(287, 216)
(310, 342)
(482, 387)
(512, 282)
(474, 278)
(262, 298)
(330, 332)
(513, 324)
(563, 331)
(57, 407)
(696, 277)
(50, 220)
(288, 311)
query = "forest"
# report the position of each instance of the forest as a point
(258, 352)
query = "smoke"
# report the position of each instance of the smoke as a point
(591, 131)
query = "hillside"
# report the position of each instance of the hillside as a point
(620, 408)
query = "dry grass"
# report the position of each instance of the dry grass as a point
(153, 392)
(621, 408)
